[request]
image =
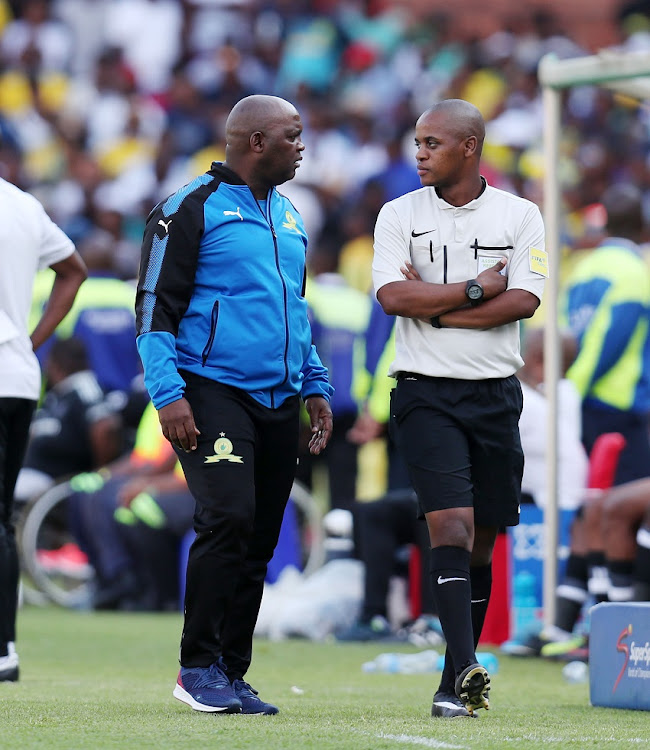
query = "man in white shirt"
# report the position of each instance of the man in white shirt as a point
(459, 263)
(29, 241)
(573, 461)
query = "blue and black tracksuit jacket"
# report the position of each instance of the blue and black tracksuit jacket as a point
(221, 294)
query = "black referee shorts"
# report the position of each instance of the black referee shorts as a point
(460, 441)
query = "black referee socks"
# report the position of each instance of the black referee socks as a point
(451, 588)
(481, 580)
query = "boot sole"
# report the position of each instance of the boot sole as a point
(472, 688)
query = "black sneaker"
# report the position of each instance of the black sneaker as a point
(472, 687)
(250, 702)
(449, 706)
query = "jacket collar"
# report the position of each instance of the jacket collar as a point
(219, 169)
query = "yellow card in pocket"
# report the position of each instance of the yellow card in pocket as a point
(538, 261)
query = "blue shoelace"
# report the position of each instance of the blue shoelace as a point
(241, 686)
(213, 676)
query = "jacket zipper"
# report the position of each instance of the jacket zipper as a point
(269, 221)
(214, 317)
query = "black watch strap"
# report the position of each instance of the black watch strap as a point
(435, 321)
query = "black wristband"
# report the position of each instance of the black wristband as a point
(435, 321)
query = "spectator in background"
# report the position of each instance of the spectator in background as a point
(74, 430)
(383, 531)
(139, 501)
(151, 56)
(572, 457)
(37, 40)
(374, 417)
(102, 317)
(607, 307)
(154, 515)
(571, 593)
(30, 241)
(339, 316)
(625, 526)
(399, 176)
(386, 62)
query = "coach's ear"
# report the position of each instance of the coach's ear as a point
(257, 141)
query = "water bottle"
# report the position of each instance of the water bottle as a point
(381, 663)
(391, 663)
(524, 606)
(575, 672)
(485, 658)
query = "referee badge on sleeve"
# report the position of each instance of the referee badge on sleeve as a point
(538, 261)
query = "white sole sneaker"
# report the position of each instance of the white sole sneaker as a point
(182, 695)
(448, 706)
(9, 667)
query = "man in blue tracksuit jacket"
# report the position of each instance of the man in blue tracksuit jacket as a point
(225, 341)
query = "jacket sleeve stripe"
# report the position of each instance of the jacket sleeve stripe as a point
(148, 302)
(151, 296)
(152, 275)
(172, 204)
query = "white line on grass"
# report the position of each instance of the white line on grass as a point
(423, 741)
(550, 740)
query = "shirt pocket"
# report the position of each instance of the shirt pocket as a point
(488, 256)
(430, 261)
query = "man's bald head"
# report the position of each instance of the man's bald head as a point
(461, 118)
(623, 204)
(253, 114)
(533, 370)
(263, 143)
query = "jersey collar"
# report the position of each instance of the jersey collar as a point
(472, 204)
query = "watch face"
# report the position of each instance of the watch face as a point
(474, 291)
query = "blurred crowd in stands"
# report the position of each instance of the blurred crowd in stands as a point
(107, 107)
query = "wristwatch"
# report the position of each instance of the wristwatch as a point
(435, 321)
(474, 292)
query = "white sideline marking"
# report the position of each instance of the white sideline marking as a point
(550, 740)
(423, 741)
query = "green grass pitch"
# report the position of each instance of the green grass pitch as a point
(104, 680)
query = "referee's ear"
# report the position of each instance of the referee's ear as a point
(471, 145)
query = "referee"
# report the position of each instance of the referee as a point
(459, 263)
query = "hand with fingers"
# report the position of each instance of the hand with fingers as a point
(177, 423)
(409, 272)
(492, 280)
(322, 423)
